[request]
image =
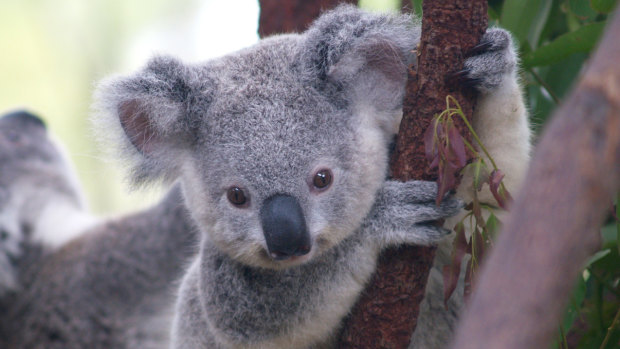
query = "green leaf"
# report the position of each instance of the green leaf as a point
(617, 222)
(574, 307)
(417, 7)
(609, 233)
(525, 19)
(477, 168)
(559, 78)
(581, 40)
(582, 10)
(556, 23)
(579, 293)
(603, 6)
(597, 256)
(493, 225)
(493, 16)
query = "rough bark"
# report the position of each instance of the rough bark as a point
(386, 314)
(278, 16)
(554, 223)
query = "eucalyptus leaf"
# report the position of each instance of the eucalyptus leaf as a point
(417, 7)
(492, 226)
(525, 19)
(617, 222)
(582, 10)
(597, 256)
(581, 40)
(603, 6)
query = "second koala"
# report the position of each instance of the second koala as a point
(282, 150)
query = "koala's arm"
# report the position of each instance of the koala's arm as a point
(405, 213)
(500, 116)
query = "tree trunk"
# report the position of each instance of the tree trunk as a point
(289, 16)
(386, 314)
(554, 223)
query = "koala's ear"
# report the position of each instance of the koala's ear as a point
(149, 115)
(364, 55)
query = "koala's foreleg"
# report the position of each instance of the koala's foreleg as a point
(500, 117)
(405, 213)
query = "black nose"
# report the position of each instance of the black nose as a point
(25, 118)
(284, 226)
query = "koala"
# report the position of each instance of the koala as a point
(69, 284)
(41, 202)
(282, 149)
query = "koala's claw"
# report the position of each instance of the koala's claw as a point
(463, 78)
(494, 39)
(483, 46)
(489, 62)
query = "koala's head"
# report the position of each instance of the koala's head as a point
(33, 173)
(281, 147)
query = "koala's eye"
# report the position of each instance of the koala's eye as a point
(236, 196)
(322, 179)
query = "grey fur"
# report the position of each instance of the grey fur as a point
(265, 119)
(33, 175)
(110, 287)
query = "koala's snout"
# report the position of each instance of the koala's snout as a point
(284, 227)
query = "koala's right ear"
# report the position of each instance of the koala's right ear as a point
(362, 57)
(149, 115)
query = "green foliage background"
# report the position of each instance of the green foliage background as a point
(555, 39)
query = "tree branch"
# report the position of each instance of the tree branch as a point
(554, 223)
(277, 16)
(386, 314)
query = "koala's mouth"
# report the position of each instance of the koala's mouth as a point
(288, 261)
(292, 259)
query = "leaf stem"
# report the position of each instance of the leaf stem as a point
(459, 112)
(610, 330)
(618, 222)
(563, 338)
(542, 83)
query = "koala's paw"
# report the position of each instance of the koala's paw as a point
(491, 61)
(405, 212)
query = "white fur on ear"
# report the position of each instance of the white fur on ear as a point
(374, 73)
(365, 57)
(146, 118)
(138, 127)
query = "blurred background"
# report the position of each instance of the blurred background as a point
(54, 52)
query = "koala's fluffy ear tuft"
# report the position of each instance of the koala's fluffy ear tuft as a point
(364, 55)
(135, 122)
(150, 116)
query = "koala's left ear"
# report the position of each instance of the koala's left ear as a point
(364, 55)
(150, 115)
